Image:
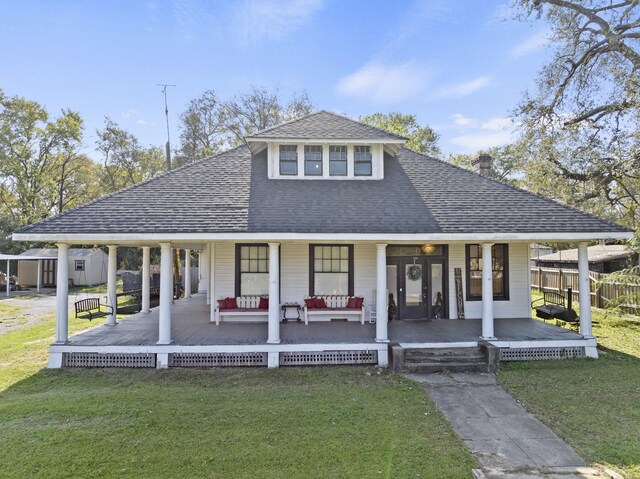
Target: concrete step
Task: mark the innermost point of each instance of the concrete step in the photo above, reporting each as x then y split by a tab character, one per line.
443	354
439	367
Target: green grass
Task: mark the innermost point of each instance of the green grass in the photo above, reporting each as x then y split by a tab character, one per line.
323	422
593	404
12	315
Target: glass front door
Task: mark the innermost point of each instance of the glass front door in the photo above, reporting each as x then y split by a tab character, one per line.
418	287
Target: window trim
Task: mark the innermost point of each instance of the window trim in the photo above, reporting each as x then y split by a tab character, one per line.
356	161
238	278
75	265
505	278
345	161
308	160
280	160
312	267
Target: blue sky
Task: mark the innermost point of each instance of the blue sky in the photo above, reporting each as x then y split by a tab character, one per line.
459	66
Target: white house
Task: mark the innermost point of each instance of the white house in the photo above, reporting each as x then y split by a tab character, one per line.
324	206
85	266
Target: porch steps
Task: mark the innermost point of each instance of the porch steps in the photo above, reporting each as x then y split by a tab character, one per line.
482	358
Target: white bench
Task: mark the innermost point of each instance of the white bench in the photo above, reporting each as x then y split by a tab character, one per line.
336	309
247	306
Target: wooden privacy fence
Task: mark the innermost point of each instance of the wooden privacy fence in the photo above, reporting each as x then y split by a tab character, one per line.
554	279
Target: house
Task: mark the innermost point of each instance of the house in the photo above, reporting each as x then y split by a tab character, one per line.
86	267
603	258
324	206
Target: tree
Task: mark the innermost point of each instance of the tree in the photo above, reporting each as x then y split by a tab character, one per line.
32	147
506	165
421	138
125	162
581	124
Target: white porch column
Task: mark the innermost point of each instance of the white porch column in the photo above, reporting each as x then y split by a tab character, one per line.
62	295
111	284
487	292
584	289
274	293
39	273
205	271
382	335
146	279
7	278
166	294
203	260
187	273
211	280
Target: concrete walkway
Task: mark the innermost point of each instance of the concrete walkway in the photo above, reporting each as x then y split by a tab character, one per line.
506	440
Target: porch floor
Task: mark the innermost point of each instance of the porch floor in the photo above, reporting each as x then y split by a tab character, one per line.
191	327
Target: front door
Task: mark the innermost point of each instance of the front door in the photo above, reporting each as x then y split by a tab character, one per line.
417	285
49	272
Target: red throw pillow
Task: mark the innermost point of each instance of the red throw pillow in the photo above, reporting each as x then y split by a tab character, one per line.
320	303
264	303
310	302
352	303
222	303
232	303
360	302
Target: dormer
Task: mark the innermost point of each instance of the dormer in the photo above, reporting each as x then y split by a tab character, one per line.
325	146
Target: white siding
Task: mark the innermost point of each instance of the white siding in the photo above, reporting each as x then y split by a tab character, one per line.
519	271
95	265
364	281
294	272
224	271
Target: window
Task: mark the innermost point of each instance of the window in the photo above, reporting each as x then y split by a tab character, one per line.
79	265
362	159
338	160
500	269
288	160
252	270
330	269
313	160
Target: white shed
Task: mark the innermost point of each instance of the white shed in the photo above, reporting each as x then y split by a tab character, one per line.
86	267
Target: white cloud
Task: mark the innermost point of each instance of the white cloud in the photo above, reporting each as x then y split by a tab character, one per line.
129	113
530	45
384	83
460	120
141	122
272	19
480	141
497	124
458	90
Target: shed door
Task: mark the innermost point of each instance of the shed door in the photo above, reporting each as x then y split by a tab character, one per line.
49	270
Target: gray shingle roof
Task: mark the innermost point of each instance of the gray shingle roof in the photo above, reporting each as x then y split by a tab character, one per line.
230	192
324	124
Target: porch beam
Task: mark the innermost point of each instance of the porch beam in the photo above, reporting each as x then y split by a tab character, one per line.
382	335
62	295
111	284
146	280
166	294
274	294
584	290
487	292
187	273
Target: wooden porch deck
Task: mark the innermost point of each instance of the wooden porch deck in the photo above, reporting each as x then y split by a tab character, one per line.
191	327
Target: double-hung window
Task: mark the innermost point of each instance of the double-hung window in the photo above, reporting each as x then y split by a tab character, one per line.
362	160
337	160
313	160
79	265
499	270
252	269
288	160
331	270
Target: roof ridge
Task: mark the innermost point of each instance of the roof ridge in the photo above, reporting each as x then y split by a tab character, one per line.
513	187
127	188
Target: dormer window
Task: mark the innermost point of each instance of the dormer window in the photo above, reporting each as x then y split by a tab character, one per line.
337	160
362	159
313	160
288	160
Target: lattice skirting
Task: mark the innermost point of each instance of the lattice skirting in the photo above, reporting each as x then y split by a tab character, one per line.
195	360
311	358
109	360
533	354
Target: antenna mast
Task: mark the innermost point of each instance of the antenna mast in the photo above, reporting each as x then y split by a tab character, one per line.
166	112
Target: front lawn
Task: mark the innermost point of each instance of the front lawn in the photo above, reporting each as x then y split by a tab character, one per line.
351	422
593	404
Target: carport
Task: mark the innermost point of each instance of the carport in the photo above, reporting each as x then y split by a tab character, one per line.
9	257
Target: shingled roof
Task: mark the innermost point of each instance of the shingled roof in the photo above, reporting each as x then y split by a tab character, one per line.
231	193
326	125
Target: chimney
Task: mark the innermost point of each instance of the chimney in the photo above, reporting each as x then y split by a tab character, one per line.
482	165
